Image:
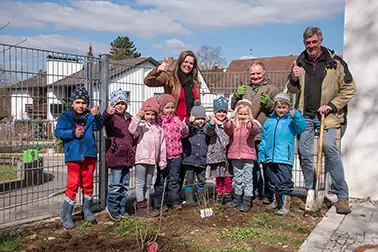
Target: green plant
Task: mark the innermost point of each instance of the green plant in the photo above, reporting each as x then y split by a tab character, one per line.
235	249
86	226
268	220
9	242
244	234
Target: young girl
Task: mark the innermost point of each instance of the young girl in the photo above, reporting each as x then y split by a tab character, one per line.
174	130
195	152
242	152
76	129
217	154
277	151
150	152
120	153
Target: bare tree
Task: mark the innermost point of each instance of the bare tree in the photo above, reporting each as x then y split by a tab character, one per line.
210	57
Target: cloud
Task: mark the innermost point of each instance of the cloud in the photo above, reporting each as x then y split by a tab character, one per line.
149	18
236	13
90	16
57	43
173	45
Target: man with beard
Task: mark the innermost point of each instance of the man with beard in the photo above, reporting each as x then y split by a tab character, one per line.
261	94
323	85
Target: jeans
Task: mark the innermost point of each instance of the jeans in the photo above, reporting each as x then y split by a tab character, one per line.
279	178
117	190
144	174
243	175
174	180
333	162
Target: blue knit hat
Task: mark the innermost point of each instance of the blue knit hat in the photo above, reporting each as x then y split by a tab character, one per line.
119	96
220	103
80	93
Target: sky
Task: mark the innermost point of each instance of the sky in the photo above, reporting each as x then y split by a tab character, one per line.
163	28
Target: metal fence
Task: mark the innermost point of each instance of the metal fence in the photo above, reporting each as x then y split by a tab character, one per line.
35	89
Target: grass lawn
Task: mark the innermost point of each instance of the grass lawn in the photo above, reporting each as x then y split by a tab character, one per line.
9	242
8	172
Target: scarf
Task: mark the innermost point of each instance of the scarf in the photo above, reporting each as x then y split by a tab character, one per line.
186	80
80	119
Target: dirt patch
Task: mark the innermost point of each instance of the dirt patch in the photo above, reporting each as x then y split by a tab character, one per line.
184	231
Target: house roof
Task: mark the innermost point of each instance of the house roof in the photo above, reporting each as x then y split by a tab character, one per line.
278	63
117	67
237	73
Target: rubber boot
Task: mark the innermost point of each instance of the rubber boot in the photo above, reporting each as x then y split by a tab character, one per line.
273	203
237	201
227	199
189	196
219	200
285	208
246	205
66	215
88	215
342	206
201	195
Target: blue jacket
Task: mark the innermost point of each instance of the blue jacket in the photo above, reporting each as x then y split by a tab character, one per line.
76	149
196	143
278	136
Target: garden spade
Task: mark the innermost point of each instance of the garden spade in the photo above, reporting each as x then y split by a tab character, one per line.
320	185
205	212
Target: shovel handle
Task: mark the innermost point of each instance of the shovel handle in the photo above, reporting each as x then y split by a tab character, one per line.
320	148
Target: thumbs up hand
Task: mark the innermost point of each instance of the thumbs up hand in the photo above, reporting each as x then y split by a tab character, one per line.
163	66
183	124
94	110
296	70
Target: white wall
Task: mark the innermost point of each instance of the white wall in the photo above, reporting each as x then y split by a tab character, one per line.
360	143
19	98
133	83
58	69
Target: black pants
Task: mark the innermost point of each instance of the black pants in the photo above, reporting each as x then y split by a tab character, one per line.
172	191
279	178
190	172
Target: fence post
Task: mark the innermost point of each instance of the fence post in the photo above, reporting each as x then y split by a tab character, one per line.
103	95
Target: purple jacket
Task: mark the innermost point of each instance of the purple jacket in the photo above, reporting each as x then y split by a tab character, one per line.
121	146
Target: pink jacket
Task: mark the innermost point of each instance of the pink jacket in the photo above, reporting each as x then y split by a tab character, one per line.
151	146
173	133
242	140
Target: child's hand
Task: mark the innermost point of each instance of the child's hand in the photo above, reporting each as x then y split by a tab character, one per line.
140	114
229	123
249	125
111	110
79	131
292	111
213	121
192	118
183	124
94	110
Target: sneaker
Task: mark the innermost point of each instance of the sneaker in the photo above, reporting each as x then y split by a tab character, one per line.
124	215
115	218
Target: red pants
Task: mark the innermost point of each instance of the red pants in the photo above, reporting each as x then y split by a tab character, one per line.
223	185
80	174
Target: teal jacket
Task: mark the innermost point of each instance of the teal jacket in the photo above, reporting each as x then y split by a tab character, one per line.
278	137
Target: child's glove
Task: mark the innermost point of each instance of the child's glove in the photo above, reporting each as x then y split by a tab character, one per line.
264	99
242	90
110	109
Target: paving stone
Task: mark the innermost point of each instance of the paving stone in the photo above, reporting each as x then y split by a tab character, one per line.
353	225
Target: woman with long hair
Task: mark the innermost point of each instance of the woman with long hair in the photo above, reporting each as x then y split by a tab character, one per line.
181	82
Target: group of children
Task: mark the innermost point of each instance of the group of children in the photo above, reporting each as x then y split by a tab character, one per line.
179	151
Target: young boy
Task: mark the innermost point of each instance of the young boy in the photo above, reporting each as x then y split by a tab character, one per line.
76	129
195	152
277	151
